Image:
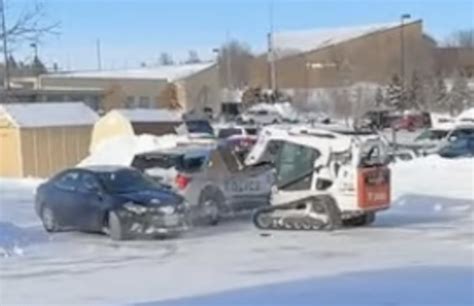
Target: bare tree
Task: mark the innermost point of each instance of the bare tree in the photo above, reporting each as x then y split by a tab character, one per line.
459	96
165	59
379	97
340	99
31	25
235	59
193	57
461	38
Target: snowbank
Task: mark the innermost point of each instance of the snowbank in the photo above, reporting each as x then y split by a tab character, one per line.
122	149
396	286
434	176
16	205
466	116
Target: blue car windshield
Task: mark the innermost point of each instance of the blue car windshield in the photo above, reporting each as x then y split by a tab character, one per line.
124	181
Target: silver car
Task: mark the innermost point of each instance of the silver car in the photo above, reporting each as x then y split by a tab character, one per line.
212	179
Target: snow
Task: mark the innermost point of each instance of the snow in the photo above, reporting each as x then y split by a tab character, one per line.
466	116
150	115
294	42
46	114
420	252
121	150
168	73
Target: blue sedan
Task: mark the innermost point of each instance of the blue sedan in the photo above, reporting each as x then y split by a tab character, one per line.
118	201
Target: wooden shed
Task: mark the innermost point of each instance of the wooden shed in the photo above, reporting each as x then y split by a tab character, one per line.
129	122
40	139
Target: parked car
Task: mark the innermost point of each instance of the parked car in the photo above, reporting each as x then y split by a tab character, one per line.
261	116
460	147
196	129
412	121
230	110
212	180
460	131
378	119
429	141
239	138
114	200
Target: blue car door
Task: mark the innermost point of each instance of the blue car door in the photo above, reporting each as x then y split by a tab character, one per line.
63	198
91	204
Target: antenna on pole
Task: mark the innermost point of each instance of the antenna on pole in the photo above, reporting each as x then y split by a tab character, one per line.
271	53
99	55
228	61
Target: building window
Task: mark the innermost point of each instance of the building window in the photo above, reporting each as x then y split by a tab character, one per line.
144	102
130	103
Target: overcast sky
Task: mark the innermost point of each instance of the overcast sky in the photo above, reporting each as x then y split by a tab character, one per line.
135	31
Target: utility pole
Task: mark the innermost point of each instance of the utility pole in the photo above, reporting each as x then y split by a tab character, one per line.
402	53
271	52
5	51
35	58
99	55
228	62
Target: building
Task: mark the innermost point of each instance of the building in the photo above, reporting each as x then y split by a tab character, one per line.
40	139
25	90
184	87
451	60
341	56
129	122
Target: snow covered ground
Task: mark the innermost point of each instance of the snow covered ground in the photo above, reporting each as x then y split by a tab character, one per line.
421	252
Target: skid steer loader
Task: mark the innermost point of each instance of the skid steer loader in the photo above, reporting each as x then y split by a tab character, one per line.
324	179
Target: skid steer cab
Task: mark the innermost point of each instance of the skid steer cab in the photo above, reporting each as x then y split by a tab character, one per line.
324	180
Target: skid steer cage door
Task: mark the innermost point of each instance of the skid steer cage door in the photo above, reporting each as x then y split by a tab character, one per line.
373	187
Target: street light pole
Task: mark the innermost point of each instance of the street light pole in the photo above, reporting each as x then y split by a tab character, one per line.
402	51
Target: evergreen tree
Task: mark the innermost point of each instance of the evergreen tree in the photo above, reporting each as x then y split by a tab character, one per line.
415	94
440	92
394	95
379	98
12	63
459	96
193	57
165	59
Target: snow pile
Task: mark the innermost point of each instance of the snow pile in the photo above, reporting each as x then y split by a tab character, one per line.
169	73
466	116
121	150
434	176
16	205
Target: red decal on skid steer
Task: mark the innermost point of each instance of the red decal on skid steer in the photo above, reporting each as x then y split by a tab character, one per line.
373	188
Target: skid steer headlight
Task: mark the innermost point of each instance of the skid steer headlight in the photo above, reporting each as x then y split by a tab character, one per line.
135	208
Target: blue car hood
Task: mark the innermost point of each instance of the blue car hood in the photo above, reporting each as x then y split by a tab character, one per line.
151	197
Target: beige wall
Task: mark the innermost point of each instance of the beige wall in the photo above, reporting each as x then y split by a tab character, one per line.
10	157
451	60
116	90
202	90
371	58
42	152
48	150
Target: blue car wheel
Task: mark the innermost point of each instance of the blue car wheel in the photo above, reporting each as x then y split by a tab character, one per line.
116	228
48	219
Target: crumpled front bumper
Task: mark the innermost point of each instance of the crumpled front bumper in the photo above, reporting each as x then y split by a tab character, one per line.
152	223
